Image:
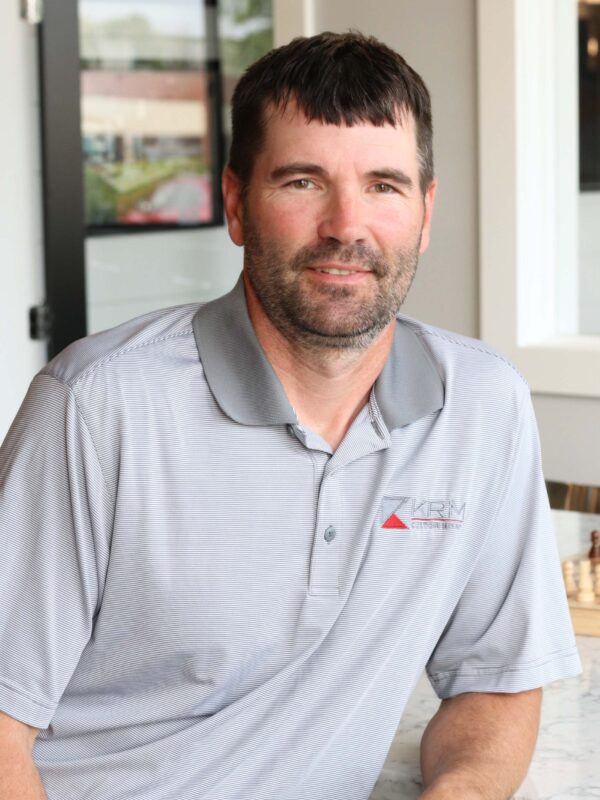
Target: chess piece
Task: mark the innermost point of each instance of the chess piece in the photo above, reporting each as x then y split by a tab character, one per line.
586	587
597	583
594	554
569	578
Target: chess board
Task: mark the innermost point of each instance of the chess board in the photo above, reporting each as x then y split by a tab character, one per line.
585	616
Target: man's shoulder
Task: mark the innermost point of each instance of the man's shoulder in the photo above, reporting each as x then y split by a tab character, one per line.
149	335
464	360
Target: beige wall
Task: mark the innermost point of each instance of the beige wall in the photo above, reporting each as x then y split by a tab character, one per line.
570	436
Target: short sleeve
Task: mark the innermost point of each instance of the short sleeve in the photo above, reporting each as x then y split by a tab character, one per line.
54	533
511	630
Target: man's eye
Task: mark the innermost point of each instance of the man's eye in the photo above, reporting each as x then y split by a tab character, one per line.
383	188
301	183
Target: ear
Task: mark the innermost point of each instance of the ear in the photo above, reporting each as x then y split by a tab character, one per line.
429	201
232	200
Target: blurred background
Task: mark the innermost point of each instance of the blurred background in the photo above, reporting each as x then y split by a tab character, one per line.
115	129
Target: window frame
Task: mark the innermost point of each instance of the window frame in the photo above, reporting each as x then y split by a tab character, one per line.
529	185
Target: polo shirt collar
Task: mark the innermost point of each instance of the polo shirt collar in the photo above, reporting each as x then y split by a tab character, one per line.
247	389
409	386
239	374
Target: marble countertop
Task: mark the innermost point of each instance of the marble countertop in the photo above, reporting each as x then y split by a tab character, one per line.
573	532
566	763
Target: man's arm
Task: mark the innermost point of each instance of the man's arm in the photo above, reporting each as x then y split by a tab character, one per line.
478	746
18	776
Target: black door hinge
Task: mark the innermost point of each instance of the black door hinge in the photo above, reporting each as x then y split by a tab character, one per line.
40	322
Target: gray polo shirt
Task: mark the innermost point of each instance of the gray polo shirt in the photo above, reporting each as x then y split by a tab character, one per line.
200	601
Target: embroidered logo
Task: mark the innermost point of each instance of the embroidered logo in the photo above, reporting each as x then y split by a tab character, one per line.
394	522
416	513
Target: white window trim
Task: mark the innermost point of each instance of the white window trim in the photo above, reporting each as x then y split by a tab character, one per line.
528	193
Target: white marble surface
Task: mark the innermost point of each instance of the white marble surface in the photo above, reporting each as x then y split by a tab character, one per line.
566	763
573	532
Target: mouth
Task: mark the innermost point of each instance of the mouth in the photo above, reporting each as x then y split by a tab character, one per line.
339	270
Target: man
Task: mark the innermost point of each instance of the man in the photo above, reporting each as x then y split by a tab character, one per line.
235	535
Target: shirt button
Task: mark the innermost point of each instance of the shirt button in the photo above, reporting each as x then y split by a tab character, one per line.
330	533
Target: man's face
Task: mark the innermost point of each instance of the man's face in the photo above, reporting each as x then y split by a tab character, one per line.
332	223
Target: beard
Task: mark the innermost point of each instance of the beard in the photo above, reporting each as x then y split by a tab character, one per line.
320	316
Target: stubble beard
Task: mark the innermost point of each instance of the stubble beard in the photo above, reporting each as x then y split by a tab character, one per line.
325	316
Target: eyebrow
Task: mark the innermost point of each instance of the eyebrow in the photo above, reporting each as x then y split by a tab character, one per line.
394	175
294	168
385	174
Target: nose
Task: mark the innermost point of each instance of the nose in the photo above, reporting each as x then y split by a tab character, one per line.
343	219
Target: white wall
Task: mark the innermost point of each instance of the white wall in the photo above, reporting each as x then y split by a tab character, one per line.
21	284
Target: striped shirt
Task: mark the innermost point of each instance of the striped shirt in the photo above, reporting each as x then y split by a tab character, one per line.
199	600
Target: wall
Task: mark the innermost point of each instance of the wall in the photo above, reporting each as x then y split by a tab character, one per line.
570	436
21	284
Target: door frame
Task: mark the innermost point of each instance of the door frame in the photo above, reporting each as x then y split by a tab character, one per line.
64	226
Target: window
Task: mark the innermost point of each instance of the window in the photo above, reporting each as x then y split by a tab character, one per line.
531	283
150	127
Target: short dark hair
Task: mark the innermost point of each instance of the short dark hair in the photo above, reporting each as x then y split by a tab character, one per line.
335	78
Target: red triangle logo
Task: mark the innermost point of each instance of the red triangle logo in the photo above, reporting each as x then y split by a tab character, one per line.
394	522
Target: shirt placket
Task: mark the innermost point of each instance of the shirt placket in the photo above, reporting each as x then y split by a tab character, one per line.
366	436
324	577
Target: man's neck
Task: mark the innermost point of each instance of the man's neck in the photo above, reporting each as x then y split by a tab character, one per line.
327	387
